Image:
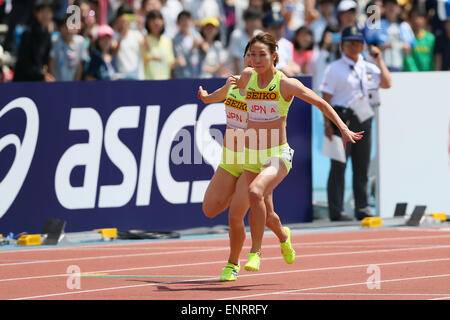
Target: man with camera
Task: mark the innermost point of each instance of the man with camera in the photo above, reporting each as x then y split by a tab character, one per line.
351	85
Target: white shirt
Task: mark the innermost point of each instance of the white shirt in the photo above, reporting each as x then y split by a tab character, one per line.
170	12
67	57
215	56
285	53
347	81
129	60
201	9
238	42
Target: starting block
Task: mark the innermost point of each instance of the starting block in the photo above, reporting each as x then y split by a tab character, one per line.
372	222
416	216
30	240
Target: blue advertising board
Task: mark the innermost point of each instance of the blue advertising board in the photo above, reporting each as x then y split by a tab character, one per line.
128	154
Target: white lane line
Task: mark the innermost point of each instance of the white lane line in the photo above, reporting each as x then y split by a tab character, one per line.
442	298
159	242
216	249
368	294
221	261
336	286
255	275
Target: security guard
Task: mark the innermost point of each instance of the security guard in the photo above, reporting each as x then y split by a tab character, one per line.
350	85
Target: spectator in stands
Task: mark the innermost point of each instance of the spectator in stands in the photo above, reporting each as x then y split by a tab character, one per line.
159	59
89	23
327	17
442	48
67	54
239	8
373	33
213	53
274	23
20	15
170	10
186	48
325	52
142	12
35	45
3	72
422	55
128	52
201	9
397	35
229	18
287	10
240	37
347	14
101	64
257	4
303	49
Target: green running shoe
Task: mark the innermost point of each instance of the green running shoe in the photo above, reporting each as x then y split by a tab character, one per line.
254	260
286	248
230	272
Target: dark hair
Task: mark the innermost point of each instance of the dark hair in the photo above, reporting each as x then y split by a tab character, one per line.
124	9
59	22
329	28
40	4
152	15
252	13
246	48
308	31
202	33
394	2
182	14
416	10
267	39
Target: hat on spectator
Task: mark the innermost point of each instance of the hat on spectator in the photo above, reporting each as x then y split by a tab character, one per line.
346	5
271	18
210	20
443	9
352	33
104	30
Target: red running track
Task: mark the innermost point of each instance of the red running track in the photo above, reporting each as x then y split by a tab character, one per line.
373	264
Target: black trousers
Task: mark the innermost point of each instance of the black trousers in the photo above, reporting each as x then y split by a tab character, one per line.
360	157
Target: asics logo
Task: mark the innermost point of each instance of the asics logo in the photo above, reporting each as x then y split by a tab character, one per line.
13	181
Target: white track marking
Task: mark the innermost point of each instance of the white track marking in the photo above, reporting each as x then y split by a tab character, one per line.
217	248
158	242
337	286
442	298
368	294
259	275
219	261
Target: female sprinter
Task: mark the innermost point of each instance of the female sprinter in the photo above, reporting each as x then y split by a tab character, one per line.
228	186
269	94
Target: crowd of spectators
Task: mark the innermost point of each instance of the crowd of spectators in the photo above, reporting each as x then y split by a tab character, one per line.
70	40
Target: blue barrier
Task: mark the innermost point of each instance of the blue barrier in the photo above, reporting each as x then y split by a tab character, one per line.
99	154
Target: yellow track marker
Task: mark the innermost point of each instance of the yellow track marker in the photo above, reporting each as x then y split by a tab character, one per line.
372	222
30	240
441	216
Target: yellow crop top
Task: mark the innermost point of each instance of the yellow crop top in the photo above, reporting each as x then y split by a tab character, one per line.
265	104
236	109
